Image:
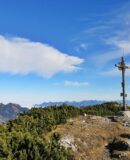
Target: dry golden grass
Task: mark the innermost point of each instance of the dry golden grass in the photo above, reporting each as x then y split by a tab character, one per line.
91	135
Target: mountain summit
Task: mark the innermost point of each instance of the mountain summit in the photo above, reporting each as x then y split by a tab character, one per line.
10	111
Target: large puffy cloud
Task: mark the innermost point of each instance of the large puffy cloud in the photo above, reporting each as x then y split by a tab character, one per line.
22	56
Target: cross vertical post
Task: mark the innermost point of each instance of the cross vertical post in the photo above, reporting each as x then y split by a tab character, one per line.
122	67
123	82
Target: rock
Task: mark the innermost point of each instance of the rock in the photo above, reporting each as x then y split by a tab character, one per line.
120	155
123	155
119	145
127	124
125	114
83	121
125	136
68	142
85	115
126	145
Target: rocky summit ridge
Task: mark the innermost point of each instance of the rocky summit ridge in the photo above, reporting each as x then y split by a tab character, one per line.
97	138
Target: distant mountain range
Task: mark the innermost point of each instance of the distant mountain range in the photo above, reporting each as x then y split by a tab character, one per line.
10	111
77	103
73	103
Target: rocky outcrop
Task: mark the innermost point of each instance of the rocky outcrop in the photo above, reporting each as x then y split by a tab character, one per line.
119	147
96	138
68	142
123	117
125	114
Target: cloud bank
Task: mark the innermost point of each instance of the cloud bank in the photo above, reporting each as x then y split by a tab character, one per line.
117	36
107	36
22	56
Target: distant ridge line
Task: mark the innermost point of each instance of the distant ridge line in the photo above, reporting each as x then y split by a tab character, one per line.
73	103
77	103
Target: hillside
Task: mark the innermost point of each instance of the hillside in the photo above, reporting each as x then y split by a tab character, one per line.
66	133
92	137
10	111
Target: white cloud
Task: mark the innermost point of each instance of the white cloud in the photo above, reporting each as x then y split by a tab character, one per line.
75	83
115	72
81	47
22	56
108	34
121	47
116	37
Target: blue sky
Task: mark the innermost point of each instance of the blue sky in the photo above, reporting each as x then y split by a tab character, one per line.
62	50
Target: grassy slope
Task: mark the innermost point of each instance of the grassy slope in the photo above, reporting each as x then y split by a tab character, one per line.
91	134
28	136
